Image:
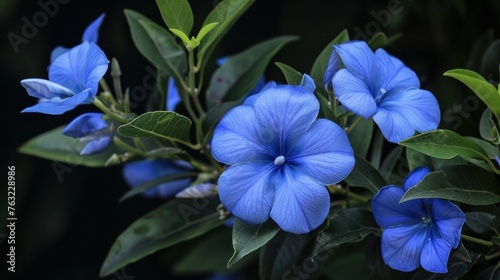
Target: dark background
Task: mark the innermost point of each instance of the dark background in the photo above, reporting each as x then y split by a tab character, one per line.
66	227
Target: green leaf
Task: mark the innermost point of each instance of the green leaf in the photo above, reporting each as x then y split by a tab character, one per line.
319	67
490	149
161	125
156	44
481	222
390	162
457	268
248	238
487	127
154	183
491	60
176	14
346	226
241	72
365	175
181	35
204	30
53	145
292	76
225	13
444	144
377	148
165	152
175	221
378	40
464	183
360	136
213	117
280	254
484	90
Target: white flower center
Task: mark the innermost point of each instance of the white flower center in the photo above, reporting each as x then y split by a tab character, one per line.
279	160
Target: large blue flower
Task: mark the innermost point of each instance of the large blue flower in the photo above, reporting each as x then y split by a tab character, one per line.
73	80
281	157
380	86
416	232
142	172
95	132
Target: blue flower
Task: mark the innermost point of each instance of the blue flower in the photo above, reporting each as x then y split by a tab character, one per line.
73	80
281	157
380	86
416	232
173	95
91	34
141	172
92	130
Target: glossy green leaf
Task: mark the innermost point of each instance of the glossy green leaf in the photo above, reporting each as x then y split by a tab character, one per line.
365	175
241	72
319	67
213	116
292	76
161	125
346	226
248	238
280	254
53	145
481	222
177	14
360	135
175	221
482	88
156	44
225	13
154	183
444	144
490	149
464	183
487	127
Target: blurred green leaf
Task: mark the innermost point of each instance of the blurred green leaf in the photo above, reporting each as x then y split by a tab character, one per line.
346	226
241	72
464	183
444	144
161	125
292	76
390	162
53	145
378	40
347	262
478	49
482	88
280	254
481	222
156	44
487	127
319	67
176	14
377	148
360	136
225	13
490	149
248	238
491	61
175	221
365	175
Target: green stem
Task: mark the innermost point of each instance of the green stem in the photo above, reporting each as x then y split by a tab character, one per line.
477	240
193	90
349	194
116	74
104	85
118	142
108	112
491	164
354	123
492	256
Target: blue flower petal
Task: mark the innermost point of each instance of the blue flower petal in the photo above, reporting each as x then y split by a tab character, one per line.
323	153
435	254
401	113
360	60
308	83
415	176
247	190
395	74
250	100
288	111
91	33
173	95
80	68
56	52
354	94
40	88
85	124
57	107
300	204
97	146
240	138
402	246
448	221
331	69
389	213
